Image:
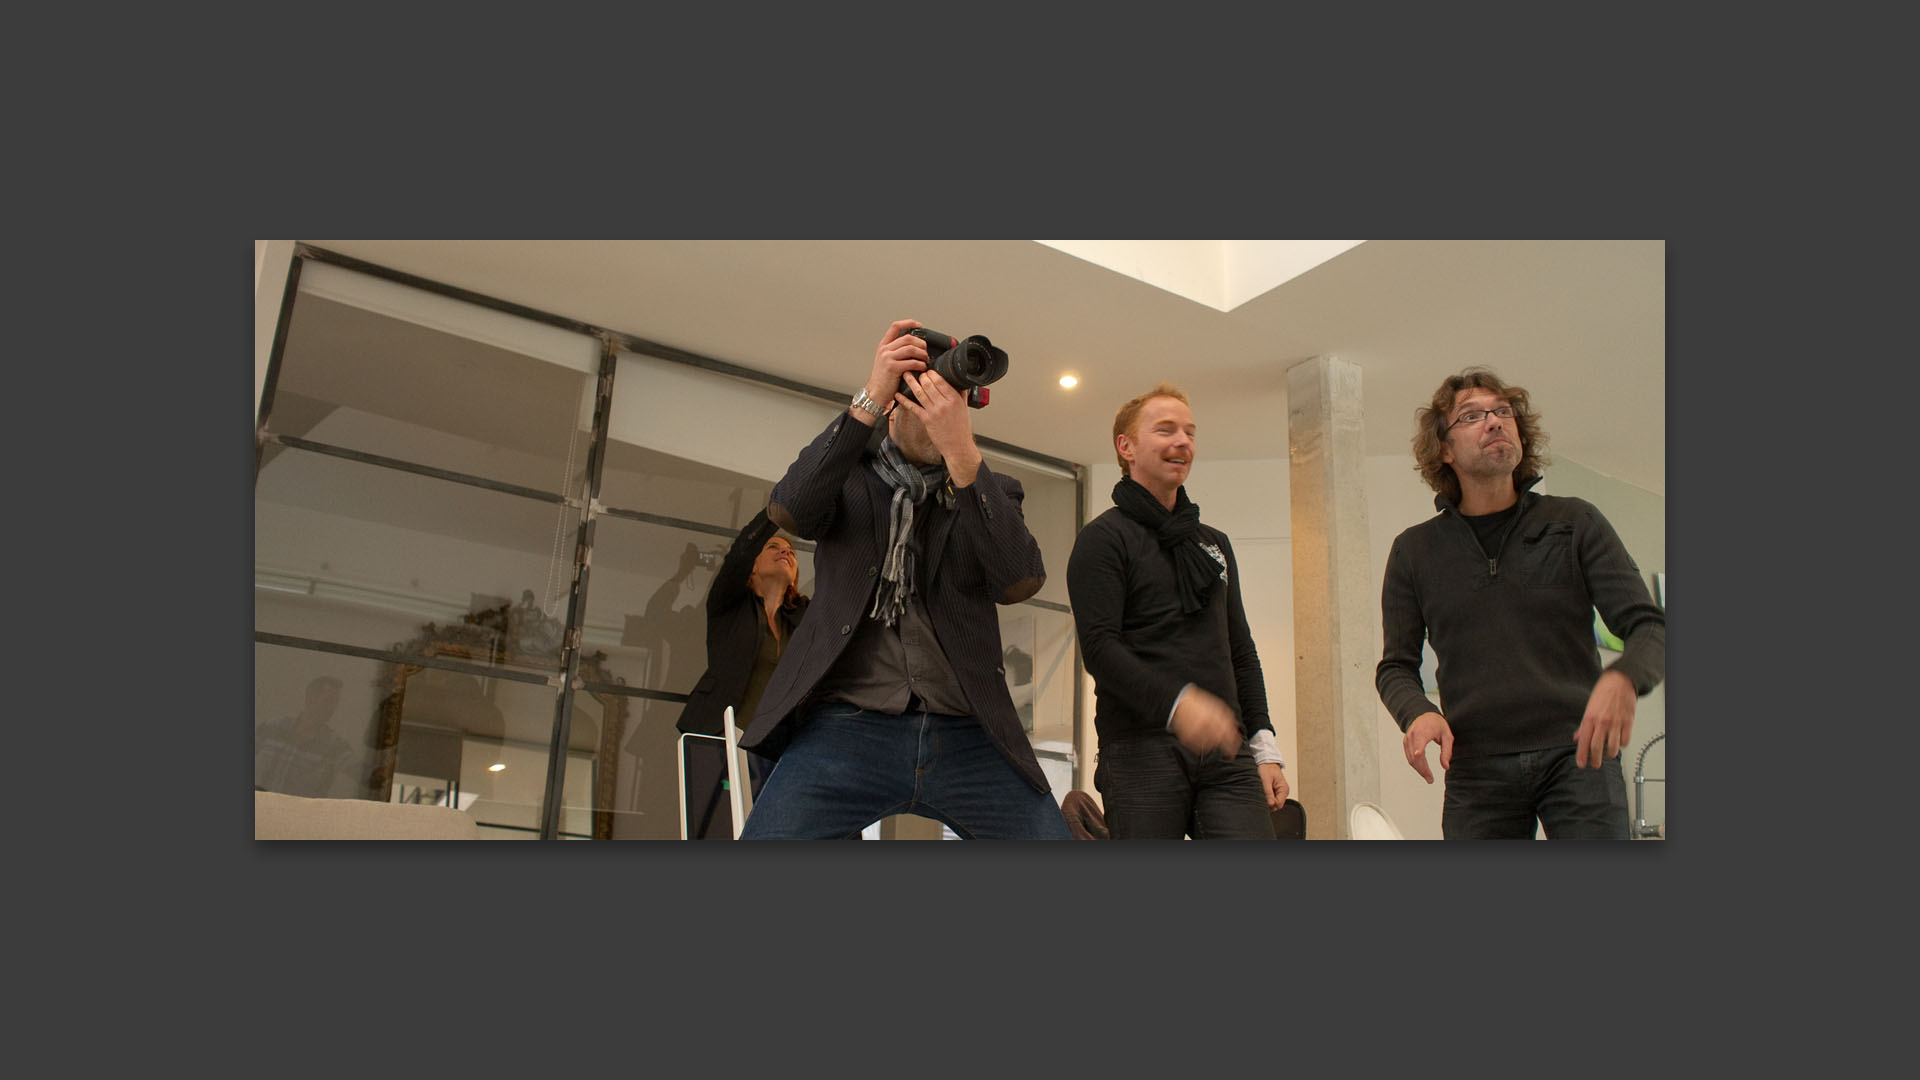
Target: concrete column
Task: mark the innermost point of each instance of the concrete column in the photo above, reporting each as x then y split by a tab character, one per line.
1334	596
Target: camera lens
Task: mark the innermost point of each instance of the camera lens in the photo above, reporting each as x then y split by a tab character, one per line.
973	362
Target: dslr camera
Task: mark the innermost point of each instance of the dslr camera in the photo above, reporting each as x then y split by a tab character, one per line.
968	365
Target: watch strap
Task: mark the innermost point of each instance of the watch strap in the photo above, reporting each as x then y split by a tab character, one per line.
867	405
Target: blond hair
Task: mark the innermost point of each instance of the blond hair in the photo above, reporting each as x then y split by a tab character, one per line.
1129	415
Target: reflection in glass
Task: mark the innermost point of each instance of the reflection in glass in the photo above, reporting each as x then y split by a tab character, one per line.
651	482
1037	649
651	582
465	399
644	775
360	555
695	445
1052	513
440	731
366	555
299	753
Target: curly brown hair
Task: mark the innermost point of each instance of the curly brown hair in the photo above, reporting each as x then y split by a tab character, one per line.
1123	420
1430	431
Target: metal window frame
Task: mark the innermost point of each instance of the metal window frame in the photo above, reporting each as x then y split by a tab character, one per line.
612	342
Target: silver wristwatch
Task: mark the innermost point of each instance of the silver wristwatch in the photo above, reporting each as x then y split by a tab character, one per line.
867	405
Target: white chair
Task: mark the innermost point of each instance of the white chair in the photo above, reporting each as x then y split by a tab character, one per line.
731	741
1367	821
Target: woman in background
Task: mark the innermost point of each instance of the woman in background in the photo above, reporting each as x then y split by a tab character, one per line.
753	606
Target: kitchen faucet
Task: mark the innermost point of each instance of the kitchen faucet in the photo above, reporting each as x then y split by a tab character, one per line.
1642	830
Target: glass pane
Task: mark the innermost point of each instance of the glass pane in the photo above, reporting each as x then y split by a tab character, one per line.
692	444
1037	642
384	559
650	482
646	600
1051	509
430	394
632	790
1038	647
481	743
316	723
344	727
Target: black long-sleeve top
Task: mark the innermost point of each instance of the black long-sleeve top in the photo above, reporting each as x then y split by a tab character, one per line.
1513	629
736	629
1140	648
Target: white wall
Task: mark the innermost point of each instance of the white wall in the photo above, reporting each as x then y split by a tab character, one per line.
1397	498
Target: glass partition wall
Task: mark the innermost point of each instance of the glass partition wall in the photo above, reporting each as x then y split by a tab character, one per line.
483	537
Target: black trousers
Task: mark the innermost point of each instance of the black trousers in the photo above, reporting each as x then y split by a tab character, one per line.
1501	796
1155	789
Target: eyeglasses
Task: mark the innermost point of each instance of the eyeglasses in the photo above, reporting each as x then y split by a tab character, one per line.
1474	416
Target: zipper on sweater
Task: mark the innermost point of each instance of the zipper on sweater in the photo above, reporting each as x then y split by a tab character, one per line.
1513	530
1493	561
1493	564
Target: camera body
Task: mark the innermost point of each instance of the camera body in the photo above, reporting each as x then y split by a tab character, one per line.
967	364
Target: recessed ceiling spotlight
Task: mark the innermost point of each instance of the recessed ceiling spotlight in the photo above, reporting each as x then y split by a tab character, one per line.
498	766
1069	381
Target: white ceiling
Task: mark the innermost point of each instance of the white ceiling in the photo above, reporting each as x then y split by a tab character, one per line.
1581	324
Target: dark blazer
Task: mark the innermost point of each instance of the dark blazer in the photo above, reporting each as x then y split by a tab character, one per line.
977	554
734	617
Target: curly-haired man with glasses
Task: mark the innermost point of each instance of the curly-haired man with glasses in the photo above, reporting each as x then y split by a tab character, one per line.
1504	582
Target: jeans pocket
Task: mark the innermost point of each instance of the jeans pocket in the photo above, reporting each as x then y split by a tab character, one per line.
833	710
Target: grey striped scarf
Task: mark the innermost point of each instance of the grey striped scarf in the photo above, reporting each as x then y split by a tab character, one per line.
911	484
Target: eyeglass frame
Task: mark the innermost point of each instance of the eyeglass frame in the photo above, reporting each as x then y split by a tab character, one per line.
1504	412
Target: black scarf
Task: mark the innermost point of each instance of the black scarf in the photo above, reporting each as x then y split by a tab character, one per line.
1194	568
911	485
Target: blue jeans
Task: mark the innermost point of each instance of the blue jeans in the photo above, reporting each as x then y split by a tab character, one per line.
848	767
1152	788
1499	798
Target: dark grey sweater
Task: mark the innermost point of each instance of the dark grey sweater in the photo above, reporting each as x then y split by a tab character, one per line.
1513	629
1138	645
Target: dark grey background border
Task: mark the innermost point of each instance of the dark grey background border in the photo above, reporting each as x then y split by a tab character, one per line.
907	946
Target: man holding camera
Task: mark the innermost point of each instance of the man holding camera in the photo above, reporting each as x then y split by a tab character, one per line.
1180	702
892	698
1503	582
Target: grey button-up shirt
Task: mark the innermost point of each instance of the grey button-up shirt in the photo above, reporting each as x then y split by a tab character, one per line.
891	668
